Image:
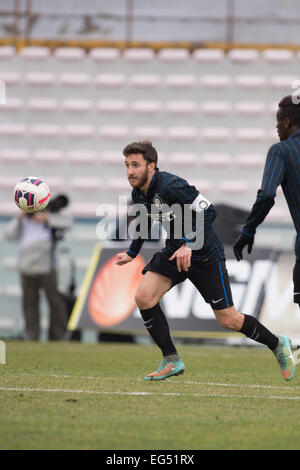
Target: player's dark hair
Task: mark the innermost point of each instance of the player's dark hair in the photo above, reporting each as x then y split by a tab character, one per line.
145	148
290	108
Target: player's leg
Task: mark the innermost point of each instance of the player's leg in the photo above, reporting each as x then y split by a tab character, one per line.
296	280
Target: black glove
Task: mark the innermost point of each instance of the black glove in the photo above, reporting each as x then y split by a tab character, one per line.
240	244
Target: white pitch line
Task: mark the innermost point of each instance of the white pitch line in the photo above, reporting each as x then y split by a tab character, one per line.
97	392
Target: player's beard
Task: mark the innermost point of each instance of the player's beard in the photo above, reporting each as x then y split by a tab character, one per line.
138	182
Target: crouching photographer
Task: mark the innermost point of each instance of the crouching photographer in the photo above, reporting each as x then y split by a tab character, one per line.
37	235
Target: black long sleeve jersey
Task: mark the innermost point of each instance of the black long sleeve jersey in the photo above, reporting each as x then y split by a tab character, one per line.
166	190
282	167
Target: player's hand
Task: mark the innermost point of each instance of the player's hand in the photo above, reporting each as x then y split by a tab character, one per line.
183	258
240	244
123	258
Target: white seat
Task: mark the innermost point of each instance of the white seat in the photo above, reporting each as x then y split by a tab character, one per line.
86	184
43	104
250	134
208	55
282	82
9	78
215	81
140	55
253	81
148	132
12	104
146	107
278	56
40	78
277	214
76	105
110	80
181	107
111	157
182	133
49	156
80	131
114	132
82	156
75	79
83	210
203	185
173	55
112	106
12	129
250	160
216	108
105	54
55	183
180	80
45	130
35	53
216	134
9	182
250	108
216	160
186	159
145	81
7	52
234	187
243	56
15	155
69	53
118	184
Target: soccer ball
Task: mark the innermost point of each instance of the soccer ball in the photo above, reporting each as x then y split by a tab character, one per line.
31	194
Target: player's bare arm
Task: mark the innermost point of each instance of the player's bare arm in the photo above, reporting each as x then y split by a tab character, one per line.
123	258
183	258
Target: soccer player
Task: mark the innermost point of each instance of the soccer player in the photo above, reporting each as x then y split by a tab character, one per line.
204	267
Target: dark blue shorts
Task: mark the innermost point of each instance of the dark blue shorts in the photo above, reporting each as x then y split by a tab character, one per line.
211	280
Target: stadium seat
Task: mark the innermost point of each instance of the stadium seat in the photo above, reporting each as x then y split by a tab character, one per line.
183	159
45	130
138	55
181	107
277	215
8	182
114	132
86	184
216	108
250	160
173	55
14	155
180	80
84	210
75	79
79	131
76	105
216	134
55	183
10	78
7	52
12	104
105	54
250	134
118	184
253	81
204	186
148	132
69	53
12	129
250	108
82	156
40	78
146	107
110	80
282	82
35	53
234	187
243	56
215	81
182	133
216	160
278	56
112	157
145	81
208	55
112	106
49	156
43	104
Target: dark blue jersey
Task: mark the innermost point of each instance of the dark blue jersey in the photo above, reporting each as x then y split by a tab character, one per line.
282	168
165	190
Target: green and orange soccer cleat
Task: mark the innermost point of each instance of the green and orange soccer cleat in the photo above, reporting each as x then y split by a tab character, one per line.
285	358
166	369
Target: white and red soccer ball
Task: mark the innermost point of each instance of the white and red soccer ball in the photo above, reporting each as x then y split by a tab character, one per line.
31	194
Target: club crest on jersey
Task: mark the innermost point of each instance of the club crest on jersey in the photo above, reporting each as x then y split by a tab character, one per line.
157	201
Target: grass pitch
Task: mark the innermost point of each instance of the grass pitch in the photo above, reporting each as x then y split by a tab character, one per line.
93	396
